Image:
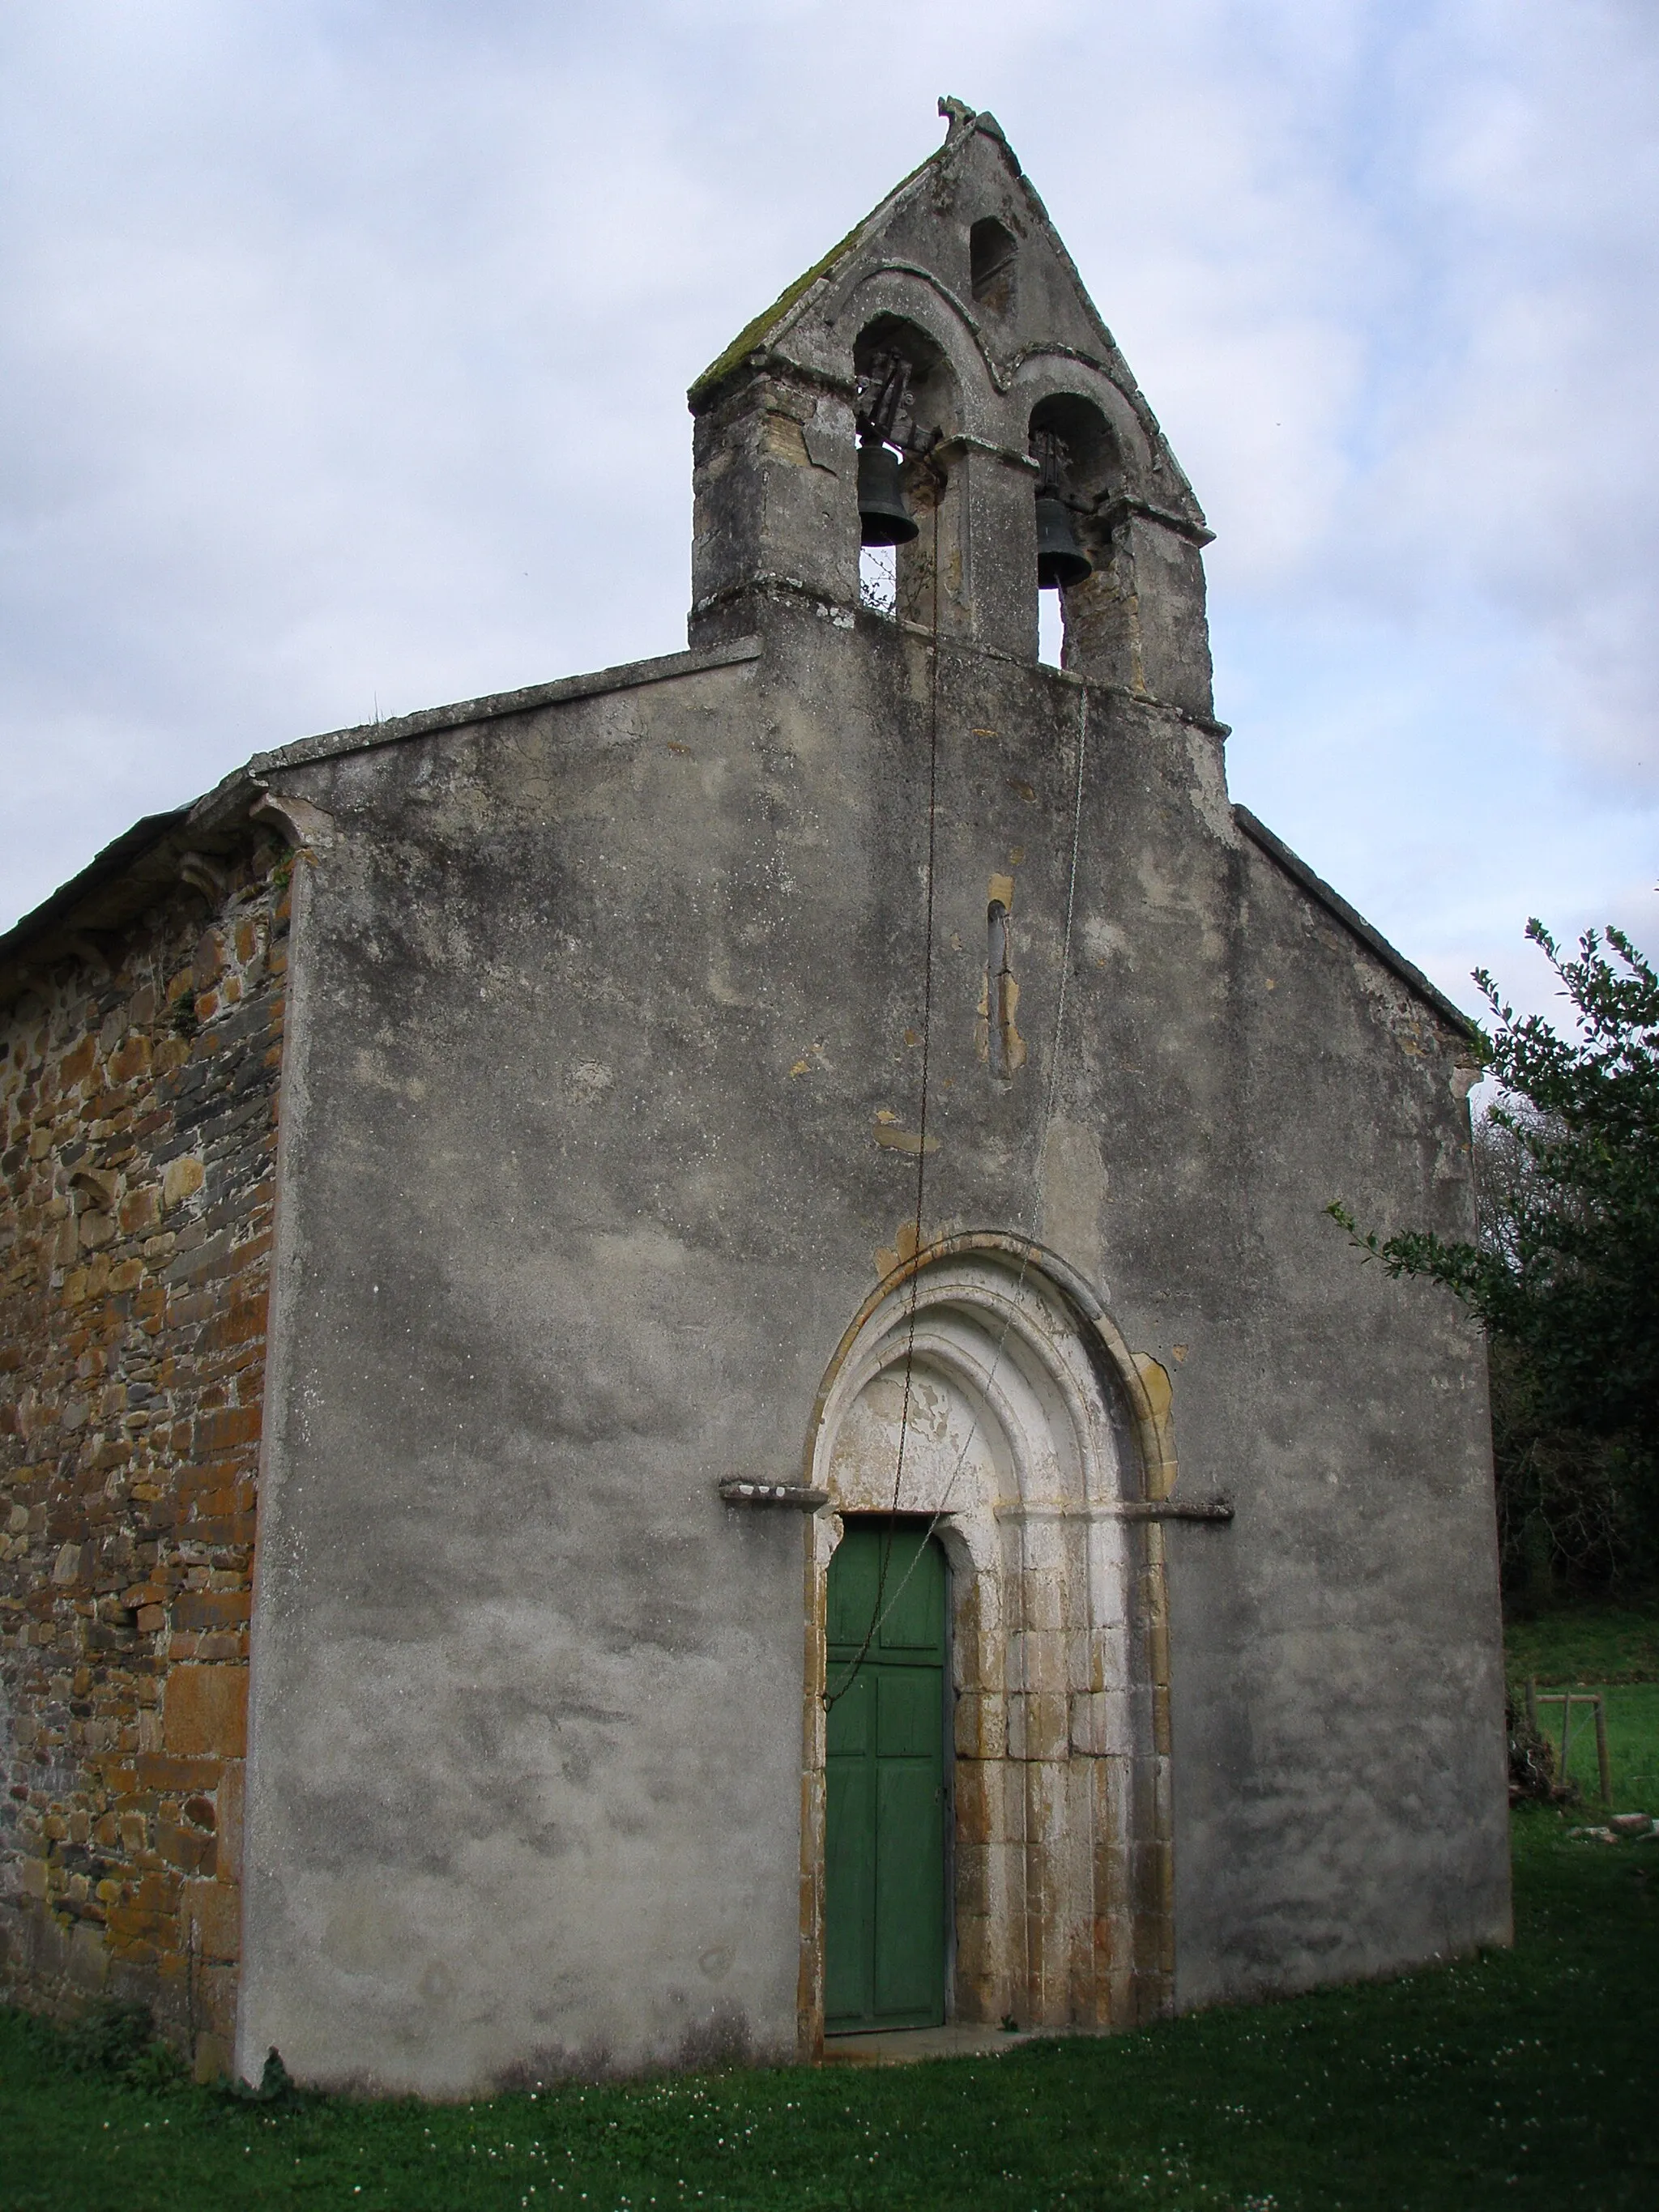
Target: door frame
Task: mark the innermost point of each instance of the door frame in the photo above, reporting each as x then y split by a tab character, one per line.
1057	1323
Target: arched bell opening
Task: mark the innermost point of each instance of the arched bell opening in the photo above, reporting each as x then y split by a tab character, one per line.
906	409
1019	1452
1077	471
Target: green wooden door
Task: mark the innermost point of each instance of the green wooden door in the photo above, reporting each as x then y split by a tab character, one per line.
885	1880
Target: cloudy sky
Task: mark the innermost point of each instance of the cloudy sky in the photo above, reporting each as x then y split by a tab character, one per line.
345	346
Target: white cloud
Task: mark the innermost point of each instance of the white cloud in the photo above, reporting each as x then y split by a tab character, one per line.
346	348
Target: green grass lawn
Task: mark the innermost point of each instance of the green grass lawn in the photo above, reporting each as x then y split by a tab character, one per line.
1521	2078
1586	1642
1632	1717
1615	1649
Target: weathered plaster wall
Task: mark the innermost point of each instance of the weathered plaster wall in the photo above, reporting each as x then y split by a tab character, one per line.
600	1123
603	1127
1241	1060
138	1127
1341	1801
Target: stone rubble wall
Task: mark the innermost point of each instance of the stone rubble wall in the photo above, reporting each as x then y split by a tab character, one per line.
138	1145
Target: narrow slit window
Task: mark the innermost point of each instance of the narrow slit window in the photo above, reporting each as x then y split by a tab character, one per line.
998	978
991	250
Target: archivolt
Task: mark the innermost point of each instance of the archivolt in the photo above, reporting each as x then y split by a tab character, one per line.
1010	1260
1026	1425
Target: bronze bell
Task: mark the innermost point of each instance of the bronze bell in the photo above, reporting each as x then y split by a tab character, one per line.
884	518
1060	559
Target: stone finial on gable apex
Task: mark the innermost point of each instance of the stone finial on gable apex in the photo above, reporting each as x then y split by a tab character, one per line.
962	119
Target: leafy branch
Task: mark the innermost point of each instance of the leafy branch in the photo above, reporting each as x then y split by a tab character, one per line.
1565	1273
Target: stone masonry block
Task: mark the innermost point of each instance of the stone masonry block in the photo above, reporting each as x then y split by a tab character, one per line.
141	1210
982	1726
224	1431
229	1811
973	1889
1042	1601
1036	1660
213	1914
979	1800
1038	1726
183	1177
979	1978
1100	1724
206	1712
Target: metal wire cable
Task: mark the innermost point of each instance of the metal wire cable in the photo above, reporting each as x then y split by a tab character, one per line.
878	1612
881	1614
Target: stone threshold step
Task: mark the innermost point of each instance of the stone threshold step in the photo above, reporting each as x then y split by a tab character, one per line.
904	2046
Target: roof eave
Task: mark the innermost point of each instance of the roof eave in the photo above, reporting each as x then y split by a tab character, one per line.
1465	1028
122	881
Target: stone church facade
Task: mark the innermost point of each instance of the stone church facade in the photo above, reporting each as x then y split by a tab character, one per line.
498	1201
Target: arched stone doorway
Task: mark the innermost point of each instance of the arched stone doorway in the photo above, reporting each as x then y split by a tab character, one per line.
1030	1441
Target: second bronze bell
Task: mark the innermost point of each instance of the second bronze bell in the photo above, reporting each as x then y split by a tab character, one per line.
884	518
1060	559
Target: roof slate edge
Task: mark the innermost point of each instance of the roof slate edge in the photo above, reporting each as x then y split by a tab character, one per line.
1455	1019
756	333
113	860
625	677
222	810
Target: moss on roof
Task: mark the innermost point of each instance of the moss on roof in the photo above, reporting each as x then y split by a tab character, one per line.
751	334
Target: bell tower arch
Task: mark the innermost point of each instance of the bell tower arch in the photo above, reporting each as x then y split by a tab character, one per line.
956	301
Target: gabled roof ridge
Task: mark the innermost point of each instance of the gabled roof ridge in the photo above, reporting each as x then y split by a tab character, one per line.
1124	377
765	330
771	320
1464	1027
